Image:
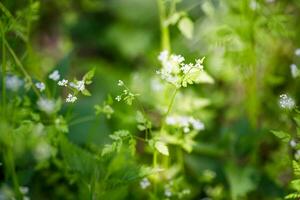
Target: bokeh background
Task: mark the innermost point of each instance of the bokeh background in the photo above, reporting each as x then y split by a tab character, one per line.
249	46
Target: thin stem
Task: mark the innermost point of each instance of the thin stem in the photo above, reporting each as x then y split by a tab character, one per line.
169	109
3	69
165	36
20	65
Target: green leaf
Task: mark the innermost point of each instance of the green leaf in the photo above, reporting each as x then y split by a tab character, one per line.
186	27
85	92
285	137
162	148
89	75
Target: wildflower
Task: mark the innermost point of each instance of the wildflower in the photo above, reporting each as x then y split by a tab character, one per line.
168	192
185	122
297	155
297	52
63	82
120	83
163	56
175	71
55	75
286	102
24	190
71	98
118	98
41	86
46	105
42	151
145	183
13	83
293	143
80	85
294	70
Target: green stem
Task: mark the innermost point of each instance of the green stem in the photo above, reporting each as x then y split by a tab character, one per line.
165	35
20	65
3	69
169	109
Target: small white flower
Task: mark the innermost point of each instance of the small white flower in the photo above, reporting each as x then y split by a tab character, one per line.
42	151
63	82
163	56
297	52
168	192
293	143
145	183
71	98
13	83
294	70
297	155
118	98
120	83
24	190
286	102
41	86
80	85
55	75
46	105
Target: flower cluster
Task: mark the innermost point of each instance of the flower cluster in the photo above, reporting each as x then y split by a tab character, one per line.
13	83
75	86
144	183
46	105
286	102
178	73
126	95
185	122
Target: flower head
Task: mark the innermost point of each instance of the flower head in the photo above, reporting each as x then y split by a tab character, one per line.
13	83
294	70
55	75
71	98
286	102
46	105
41	86
297	52
145	183
63	82
120	83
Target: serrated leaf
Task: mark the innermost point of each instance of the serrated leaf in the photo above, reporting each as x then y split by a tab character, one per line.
285	137
186	27
162	148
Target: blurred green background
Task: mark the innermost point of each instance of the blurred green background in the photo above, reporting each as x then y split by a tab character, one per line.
249	46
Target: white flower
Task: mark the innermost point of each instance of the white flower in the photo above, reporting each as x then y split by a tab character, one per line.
118	98
294	70
145	183
293	143
297	155
120	83
163	56
42	151
41	86
46	105
286	102
185	122
63	82
71	98
168	192
24	190
80	85
13	83
297	52
55	75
